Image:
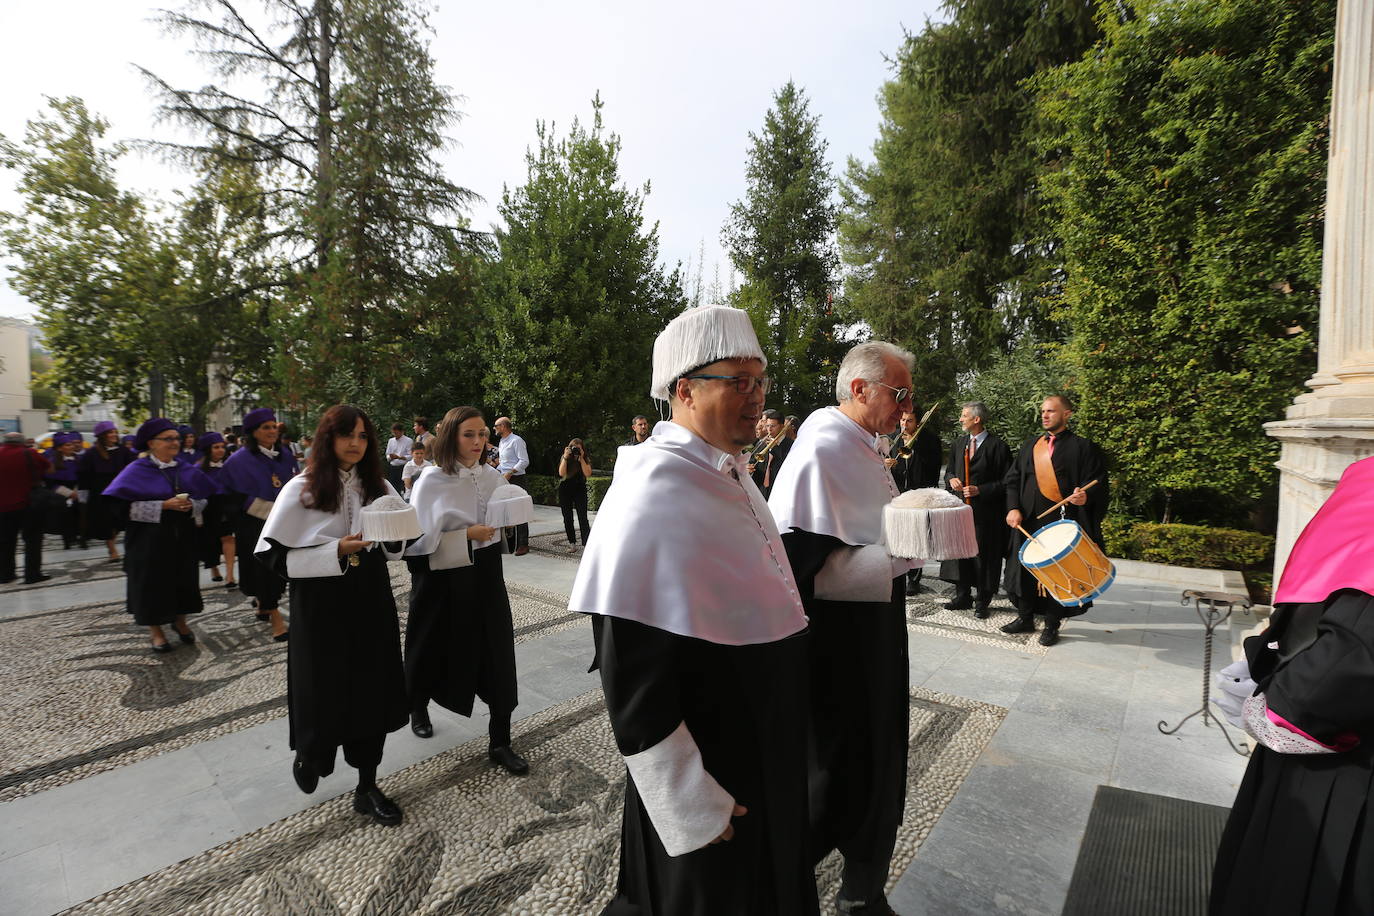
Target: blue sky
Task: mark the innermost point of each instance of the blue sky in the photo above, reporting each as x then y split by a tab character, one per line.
682	84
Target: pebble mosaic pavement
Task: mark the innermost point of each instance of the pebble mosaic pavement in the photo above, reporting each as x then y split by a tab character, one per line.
925	613
88	668
477	841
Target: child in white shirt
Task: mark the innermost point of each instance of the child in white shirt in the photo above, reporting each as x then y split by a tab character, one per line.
414	466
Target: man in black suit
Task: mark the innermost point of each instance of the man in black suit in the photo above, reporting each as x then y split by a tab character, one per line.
765	471
978	462
913	457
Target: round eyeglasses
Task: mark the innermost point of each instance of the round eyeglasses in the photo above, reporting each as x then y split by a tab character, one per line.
899	395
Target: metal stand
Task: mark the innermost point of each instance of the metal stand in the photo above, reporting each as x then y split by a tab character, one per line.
1212	617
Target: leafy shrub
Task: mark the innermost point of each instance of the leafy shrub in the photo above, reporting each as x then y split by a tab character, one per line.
543	489
1200	546
596	491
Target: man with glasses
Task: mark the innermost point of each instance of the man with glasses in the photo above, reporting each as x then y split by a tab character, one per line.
701	643
828	502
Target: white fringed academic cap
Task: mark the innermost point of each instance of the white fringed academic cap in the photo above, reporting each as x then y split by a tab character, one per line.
700	336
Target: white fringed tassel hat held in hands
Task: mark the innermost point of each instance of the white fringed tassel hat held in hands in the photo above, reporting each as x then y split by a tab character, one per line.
929	524
390	518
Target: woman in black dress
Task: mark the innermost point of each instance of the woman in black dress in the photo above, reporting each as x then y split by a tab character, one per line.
155	498
345	685
573	470
1300	838
96	469
460	639
217	530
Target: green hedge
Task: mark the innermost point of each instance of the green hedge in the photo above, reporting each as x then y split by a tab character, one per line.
1197	546
544	489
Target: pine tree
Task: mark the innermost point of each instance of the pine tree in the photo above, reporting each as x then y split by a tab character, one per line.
577	296
781	239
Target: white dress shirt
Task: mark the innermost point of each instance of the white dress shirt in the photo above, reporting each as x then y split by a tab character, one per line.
514	456
399	445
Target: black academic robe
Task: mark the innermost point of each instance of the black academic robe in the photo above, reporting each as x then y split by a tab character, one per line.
917	467
859	710
1300	837
1076	462
218	521
162	575
460	638
344	680
93	474
987	471
767	469
743	706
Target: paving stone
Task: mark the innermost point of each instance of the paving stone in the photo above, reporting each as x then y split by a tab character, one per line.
34	881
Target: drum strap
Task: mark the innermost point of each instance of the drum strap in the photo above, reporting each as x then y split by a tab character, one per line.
1044	472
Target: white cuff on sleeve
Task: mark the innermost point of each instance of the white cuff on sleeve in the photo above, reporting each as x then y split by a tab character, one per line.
146	510
686	805
856	574
314	562
83	496
454	551
65	492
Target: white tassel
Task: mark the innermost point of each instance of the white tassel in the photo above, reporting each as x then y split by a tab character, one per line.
390	518
699	336
929	524
509	505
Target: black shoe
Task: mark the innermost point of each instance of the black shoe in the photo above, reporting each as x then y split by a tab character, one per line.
521	551
7	580
420	724
982	611
231	585
1049	636
1020	625
162	648
960	603
505	757
305	775
41	577
188	637
282	637
376	806
216	578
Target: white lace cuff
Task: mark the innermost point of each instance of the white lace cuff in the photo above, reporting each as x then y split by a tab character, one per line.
454	551
686	805
314	562
146	510
1275	736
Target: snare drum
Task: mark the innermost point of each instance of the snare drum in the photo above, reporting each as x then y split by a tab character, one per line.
1072	568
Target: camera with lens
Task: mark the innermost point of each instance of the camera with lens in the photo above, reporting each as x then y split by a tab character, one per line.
575	452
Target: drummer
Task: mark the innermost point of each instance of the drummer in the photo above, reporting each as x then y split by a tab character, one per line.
1050	467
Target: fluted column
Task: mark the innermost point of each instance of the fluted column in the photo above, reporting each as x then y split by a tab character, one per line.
1332	425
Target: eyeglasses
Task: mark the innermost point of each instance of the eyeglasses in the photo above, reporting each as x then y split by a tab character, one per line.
898	394
744	384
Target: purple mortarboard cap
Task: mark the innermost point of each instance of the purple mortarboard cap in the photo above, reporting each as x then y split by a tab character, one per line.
61	439
255	418
185	430
74	436
150	429
104	426
204	442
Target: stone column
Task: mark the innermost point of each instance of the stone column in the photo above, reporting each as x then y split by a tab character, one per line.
220	412
1332	425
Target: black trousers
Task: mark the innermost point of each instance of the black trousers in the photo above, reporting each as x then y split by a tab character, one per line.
29	524
393	474
522	532
572	494
979	573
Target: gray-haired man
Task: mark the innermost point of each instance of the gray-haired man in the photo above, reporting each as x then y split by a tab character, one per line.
978	460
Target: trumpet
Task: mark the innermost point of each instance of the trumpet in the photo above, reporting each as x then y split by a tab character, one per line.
768	446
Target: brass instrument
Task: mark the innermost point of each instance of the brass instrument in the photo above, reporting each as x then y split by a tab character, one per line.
767	446
905	447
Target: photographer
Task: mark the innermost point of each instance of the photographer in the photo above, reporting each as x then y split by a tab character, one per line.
573	470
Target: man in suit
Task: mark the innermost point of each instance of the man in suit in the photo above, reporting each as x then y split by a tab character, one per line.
765	471
913	457
978	462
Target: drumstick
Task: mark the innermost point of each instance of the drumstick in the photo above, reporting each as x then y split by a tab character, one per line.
1087	486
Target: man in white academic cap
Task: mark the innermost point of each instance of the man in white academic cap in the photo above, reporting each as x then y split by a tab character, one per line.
828	503
701	643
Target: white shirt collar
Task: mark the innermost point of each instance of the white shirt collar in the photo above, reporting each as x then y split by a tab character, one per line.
978	439
692	444
269	452
163	465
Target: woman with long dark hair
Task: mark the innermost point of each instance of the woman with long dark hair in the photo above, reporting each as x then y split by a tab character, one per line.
573	470
217	524
96	469
156	498
460	640
345	684
256	474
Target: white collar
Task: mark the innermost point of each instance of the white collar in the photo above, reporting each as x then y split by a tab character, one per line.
217	464
163	465
269	452
679	435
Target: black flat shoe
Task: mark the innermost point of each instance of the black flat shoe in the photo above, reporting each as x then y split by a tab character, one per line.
42	577
376	806
304	774
116	559
216	578
282	637
420	724
959	604
231	584
162	648
263	618
1049	637
983	612
503	756
1020	625
188	637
